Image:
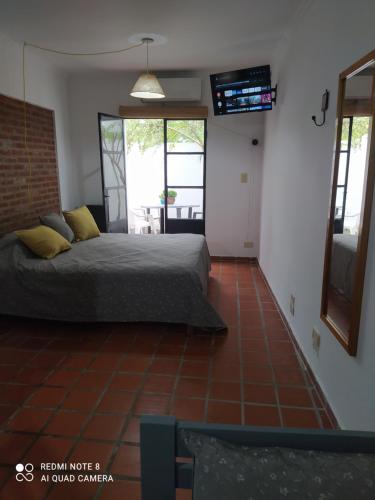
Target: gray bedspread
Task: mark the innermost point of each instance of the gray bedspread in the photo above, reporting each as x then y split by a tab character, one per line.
344	251
115	277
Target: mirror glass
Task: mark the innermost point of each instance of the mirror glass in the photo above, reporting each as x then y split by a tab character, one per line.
347	201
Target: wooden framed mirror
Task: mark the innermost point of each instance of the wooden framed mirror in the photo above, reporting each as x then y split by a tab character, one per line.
352	189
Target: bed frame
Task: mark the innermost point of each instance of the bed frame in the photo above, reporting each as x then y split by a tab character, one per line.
161	445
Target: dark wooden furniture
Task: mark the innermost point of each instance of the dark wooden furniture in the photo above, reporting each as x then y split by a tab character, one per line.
161	445
98	212
100	216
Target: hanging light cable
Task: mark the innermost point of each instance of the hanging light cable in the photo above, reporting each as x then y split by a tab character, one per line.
63	53
147	86
99	53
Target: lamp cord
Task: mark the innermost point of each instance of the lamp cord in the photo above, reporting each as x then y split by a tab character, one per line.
147	55
27	151
100	53
64	53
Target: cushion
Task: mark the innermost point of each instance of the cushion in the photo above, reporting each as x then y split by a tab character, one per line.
82	223
57	223
43	241
224	471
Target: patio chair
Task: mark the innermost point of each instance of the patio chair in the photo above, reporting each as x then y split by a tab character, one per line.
144	223
140	223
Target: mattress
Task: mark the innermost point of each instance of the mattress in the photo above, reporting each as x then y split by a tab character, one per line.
343	259
115	277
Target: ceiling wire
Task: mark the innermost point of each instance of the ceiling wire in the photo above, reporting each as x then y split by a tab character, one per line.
64	53
27	151
147	41
99	53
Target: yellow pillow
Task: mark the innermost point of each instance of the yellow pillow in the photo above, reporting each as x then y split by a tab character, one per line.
82	223
44	241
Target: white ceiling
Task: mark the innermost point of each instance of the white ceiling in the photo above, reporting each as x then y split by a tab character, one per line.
200	33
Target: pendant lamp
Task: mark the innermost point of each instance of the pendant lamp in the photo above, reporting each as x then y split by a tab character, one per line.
147	86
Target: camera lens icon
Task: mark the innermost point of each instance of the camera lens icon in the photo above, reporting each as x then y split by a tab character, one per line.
24	472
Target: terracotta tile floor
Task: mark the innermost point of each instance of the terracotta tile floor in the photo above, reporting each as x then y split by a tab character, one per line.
75	392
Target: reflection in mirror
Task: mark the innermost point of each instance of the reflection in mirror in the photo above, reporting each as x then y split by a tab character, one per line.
347	233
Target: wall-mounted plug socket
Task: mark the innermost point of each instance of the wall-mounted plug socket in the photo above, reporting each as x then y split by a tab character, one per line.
248	244
315	336
292	302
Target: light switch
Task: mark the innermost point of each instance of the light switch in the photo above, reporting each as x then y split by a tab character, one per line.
243	178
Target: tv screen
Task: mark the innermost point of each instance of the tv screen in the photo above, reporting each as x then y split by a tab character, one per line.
242	91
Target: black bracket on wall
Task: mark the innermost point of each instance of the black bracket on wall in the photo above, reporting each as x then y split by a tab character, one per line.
323	107
274	97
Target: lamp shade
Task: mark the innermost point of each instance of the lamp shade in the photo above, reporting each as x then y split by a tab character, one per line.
147	87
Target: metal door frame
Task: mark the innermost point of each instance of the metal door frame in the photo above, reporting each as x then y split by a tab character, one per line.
104	196
188	222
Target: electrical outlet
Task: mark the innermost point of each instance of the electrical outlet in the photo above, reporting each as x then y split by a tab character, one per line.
244	177
315	340
292	302
248	244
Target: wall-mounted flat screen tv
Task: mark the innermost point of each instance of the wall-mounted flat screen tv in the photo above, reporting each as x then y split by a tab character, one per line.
242	91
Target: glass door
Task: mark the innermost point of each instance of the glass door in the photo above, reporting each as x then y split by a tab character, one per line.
111	130
185	175
144	150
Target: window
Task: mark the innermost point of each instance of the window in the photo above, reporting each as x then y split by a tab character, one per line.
351	172
165	172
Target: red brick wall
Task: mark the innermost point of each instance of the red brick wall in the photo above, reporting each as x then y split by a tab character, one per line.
26	192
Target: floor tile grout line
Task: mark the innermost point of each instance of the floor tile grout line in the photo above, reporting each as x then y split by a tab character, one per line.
35	435
318	392
41	384
77	438
239	347
90	415
302	368
297	348
211	356
22	367
309	388
129	416
177	375
323	407
300	360
138	415
7	477
90	370
196	377
68	390
124	414
151	392
24	345
208	392
268	350
73	386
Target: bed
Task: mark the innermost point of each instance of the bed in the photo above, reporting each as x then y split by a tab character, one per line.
162	443
344	250
115	277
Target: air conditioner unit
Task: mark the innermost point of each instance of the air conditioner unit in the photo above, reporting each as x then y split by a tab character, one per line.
181	89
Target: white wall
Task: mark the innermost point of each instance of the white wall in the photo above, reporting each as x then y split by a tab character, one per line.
295	198
46	86
232	208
